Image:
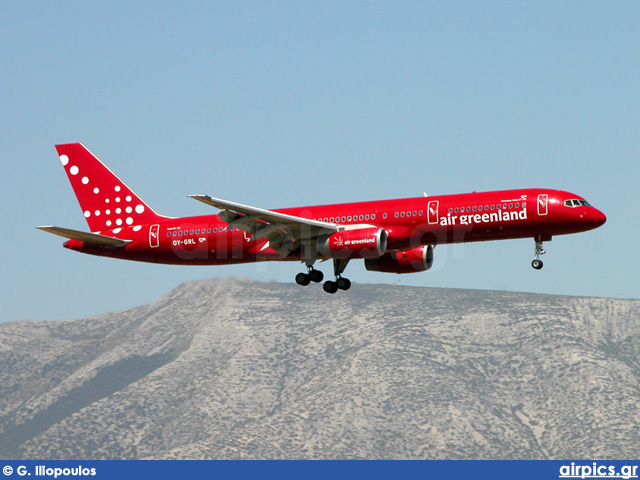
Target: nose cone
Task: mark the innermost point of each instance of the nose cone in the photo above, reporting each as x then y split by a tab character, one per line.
594	218
599	217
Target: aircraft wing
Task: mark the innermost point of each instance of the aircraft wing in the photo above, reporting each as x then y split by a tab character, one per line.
283	232
89	238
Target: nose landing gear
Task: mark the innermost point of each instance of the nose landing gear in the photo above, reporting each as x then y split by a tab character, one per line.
537	263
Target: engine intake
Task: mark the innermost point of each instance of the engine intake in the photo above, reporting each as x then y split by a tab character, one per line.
357	243
417	259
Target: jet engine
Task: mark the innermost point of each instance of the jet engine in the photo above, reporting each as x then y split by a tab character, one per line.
357	243
417	259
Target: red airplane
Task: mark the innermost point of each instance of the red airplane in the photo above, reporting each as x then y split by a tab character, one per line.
393	236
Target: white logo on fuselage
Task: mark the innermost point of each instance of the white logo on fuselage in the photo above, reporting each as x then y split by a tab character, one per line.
497	216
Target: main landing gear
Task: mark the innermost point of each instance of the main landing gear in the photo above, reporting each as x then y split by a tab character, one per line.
312	275
341	283
537	263
316	276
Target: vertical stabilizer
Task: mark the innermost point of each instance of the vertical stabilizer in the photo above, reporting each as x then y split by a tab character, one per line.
106	201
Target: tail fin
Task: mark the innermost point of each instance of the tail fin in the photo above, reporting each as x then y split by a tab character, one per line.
107	203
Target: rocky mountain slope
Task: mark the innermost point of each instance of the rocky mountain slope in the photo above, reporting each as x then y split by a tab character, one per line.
230	369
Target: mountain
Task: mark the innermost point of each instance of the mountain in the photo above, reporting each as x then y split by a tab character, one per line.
230	369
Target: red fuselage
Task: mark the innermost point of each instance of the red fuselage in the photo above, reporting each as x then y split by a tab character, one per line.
391	236
409	223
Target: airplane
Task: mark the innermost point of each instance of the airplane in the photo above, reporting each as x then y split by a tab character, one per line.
391	236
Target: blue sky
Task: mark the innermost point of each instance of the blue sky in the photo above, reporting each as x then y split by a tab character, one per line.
279	104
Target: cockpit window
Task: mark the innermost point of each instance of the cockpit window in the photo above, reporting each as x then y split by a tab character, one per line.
576	203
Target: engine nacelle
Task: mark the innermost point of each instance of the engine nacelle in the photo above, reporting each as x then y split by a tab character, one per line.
357	243
417	259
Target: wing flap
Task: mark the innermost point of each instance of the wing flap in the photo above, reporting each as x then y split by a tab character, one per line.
284	232
86	237
260	213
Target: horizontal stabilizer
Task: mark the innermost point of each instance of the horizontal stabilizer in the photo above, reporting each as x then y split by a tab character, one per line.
86	237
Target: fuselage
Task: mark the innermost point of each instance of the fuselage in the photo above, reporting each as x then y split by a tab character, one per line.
409	223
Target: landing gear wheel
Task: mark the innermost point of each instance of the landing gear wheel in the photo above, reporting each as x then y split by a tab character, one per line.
316	276
330	287
344	283
303	279
537	263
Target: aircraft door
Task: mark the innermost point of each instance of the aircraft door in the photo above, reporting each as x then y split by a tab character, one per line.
154	236
432	211
543	204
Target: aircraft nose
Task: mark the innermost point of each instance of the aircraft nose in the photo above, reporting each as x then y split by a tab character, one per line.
595	218
600	217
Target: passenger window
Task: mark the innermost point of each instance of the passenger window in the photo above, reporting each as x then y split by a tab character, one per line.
517	205
373	216
402	214
384	215
474	208
504	206
420	213
511	205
